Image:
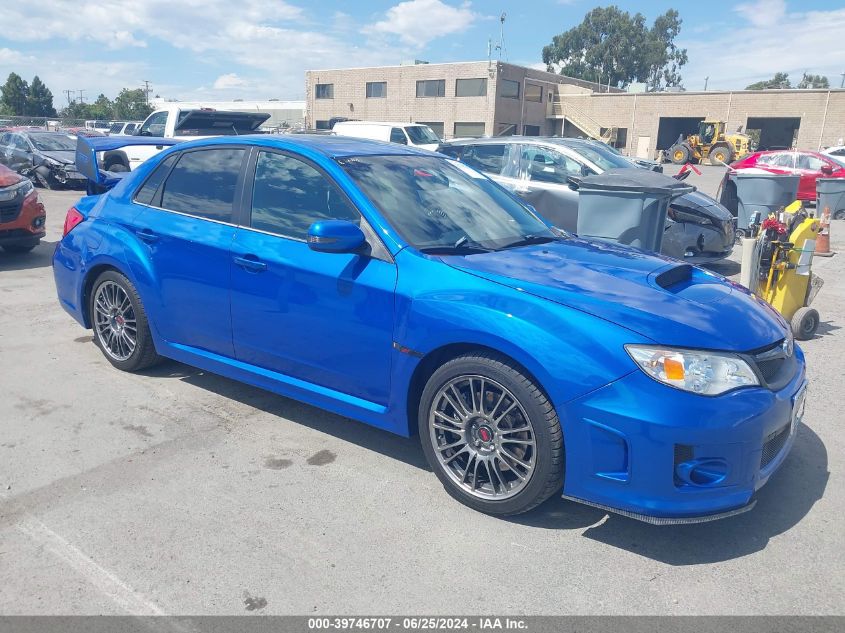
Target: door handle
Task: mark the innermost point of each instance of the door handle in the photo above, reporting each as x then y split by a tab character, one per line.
250	262
146	235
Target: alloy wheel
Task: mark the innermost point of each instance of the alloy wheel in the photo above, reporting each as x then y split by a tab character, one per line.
115	322
482	437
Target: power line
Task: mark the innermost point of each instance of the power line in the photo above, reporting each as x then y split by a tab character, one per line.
68	93
147	91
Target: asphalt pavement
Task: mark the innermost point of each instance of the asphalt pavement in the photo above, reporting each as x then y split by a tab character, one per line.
176	491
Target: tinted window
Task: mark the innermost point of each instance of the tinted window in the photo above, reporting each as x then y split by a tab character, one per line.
324	91
376	89
453	151
435	126
431	88
510	89
52	142
784	159
546	165
420	134
469	129
146	194
203	184
533	92
471	87
531	130
397	136
810	162
486	158
289	195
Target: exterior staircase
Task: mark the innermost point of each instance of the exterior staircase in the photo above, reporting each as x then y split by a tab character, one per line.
560	109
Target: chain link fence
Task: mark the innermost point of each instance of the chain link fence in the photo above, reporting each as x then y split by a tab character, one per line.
43	123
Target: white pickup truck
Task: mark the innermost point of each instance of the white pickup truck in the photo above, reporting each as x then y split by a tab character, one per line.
182	124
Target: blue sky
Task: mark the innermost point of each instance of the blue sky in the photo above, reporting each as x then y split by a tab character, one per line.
219	49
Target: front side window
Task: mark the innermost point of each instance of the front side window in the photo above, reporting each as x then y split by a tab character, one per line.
810	162
546	165
602	156
509	89
420	134
471	87
785	160
324	91
533	92
436	127
289	195
431	88
154	125
376	89
487	158
437	203
203	184
398	136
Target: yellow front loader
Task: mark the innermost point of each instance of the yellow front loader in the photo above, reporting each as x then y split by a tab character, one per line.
710	143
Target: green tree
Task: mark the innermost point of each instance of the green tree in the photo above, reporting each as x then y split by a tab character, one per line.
780	80
14	93
131	105
813	81
102	108
613	47
77	110
40	99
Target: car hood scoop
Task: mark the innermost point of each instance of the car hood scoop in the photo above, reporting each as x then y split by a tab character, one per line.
660	298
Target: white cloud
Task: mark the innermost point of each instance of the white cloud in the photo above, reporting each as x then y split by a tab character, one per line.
762	13
229	81
796	42
417	22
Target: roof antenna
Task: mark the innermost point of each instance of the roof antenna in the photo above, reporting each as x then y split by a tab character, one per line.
501	45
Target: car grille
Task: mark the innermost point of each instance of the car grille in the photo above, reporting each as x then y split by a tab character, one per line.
776	368
9	211
773	445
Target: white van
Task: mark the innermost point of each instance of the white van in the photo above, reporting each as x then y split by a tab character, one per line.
412	134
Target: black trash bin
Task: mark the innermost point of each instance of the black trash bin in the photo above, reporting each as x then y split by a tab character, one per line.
830	193
627	206
748	191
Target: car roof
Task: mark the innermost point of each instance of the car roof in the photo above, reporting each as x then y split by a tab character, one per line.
379	123
528	140
329	145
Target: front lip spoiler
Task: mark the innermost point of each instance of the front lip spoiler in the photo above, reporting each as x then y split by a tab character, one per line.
653	520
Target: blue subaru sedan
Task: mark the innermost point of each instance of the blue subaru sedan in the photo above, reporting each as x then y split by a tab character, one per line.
408	291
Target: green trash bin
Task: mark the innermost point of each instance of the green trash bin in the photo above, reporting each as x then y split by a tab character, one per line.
627	206
830	193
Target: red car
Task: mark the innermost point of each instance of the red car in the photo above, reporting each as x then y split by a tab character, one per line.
22	215
809	165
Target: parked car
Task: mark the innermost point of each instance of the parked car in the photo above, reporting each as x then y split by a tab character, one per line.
645	163
22	216
45	157
809	165
414	134
698	229
411	292
123	128
837	151
98	126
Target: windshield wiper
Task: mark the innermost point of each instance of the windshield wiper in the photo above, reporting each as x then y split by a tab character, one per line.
527	240
463	245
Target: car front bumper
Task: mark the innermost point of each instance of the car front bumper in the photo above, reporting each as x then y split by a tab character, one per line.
22	222
627	442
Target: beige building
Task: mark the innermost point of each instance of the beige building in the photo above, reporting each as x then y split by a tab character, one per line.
497	98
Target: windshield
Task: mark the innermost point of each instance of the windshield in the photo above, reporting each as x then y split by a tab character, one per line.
421	134
53	142
839	160
602	157
436	203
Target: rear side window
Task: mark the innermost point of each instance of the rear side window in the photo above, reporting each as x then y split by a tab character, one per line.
487	158
147	193
289	195
203	184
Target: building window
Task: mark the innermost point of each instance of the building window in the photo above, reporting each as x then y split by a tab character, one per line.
376	89
507	129
471	87
531	130
324	125
510	89
431	88
469	129
533	92
324	91
436	126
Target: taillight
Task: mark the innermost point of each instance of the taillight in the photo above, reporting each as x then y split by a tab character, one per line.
72	218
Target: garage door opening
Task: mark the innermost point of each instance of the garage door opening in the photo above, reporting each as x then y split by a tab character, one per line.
671	127
773	132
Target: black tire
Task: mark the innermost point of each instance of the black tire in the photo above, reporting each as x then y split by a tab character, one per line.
144	354
546	476
721	154
19	249
804	323
680	154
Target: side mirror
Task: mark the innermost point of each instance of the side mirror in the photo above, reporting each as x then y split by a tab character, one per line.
573	182
827	170
335	236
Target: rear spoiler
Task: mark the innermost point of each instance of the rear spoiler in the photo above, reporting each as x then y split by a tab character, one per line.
87	148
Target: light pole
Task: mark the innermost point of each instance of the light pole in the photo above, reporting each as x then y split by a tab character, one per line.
842	85
706	79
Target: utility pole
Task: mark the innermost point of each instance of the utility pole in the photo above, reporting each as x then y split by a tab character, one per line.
706	79
147	90
81	92
842	85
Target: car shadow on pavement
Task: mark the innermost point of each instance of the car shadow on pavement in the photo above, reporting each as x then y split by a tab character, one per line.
724	267
404	449
781	504
826	327
39	257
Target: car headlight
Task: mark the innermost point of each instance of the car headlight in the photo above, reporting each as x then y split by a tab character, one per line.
705	373
21	188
